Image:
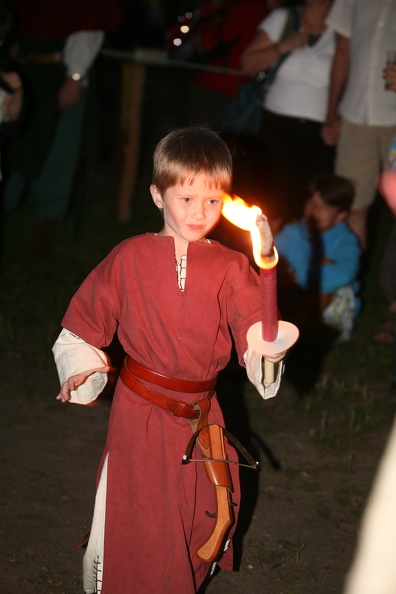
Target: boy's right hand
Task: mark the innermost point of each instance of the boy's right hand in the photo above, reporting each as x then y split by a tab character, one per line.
77	380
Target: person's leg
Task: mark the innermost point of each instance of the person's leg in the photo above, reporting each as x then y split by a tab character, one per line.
312	158
358	159
341	312
13	190
281	139
52	189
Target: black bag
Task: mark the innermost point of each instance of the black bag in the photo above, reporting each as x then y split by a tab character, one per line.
244	114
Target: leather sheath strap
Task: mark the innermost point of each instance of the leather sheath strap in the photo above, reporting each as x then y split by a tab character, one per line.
132	372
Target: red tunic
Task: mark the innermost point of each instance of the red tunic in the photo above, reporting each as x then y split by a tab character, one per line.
155	513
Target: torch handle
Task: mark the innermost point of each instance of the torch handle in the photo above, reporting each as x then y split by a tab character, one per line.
287	336
269	371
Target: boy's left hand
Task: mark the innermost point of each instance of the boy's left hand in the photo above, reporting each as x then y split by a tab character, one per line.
77	380
276	357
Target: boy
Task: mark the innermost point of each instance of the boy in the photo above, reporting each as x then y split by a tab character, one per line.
321	258
173	298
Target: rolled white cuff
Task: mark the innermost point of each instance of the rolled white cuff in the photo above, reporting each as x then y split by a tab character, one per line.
255	371
73	355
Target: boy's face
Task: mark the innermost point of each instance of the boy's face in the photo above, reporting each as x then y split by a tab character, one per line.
190	211
320	216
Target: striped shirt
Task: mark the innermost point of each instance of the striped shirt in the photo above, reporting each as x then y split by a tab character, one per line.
371	27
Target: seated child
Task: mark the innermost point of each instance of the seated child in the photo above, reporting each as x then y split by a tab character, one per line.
176	299
319	260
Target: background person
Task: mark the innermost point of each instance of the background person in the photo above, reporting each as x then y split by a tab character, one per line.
358	101
373	570
11	86
57	43
387	278
219	33
321	258
294	109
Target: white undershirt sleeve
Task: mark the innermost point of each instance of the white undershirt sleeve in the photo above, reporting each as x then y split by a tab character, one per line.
73	355
255	371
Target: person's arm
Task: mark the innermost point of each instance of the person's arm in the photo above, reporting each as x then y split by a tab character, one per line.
79	53
373	569
263	52
338	77
82	369
292	266
344	268
12	104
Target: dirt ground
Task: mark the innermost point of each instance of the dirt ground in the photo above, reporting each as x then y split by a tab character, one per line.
300	515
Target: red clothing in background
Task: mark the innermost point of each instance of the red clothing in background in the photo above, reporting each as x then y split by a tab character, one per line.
233	23
54	19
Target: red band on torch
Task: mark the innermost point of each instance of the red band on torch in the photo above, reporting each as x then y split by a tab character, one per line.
269	304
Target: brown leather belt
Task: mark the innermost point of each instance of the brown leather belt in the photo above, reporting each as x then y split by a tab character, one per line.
132	372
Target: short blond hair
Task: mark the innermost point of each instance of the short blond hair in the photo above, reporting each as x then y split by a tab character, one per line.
185	153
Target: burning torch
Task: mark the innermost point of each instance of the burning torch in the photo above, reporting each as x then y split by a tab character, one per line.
271	336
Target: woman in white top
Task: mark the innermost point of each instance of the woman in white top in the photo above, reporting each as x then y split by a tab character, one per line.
295	104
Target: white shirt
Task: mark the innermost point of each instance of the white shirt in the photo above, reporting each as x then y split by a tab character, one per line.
301	85
80	51
371	27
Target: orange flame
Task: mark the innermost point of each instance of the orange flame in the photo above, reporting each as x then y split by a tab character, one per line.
243	216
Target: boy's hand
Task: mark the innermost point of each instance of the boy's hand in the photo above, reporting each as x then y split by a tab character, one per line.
77	380
276	357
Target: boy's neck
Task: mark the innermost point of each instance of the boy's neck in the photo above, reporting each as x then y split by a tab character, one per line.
180	244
